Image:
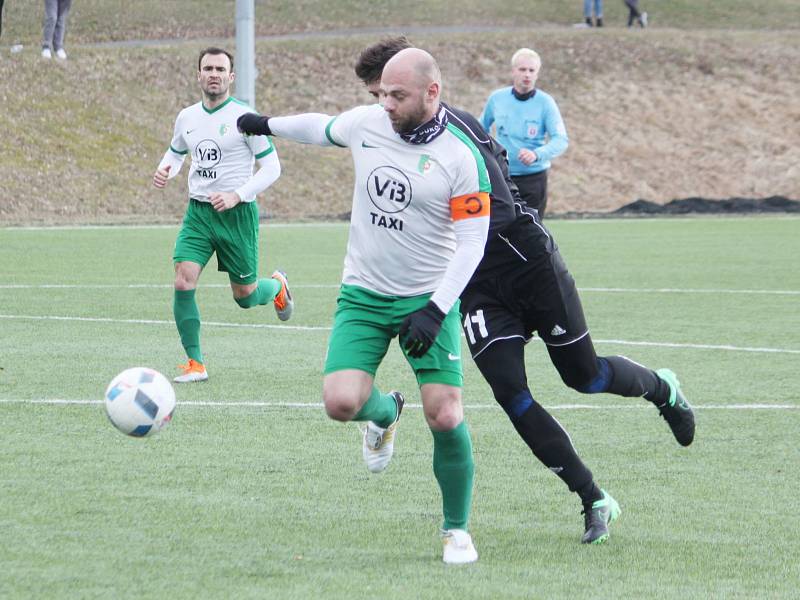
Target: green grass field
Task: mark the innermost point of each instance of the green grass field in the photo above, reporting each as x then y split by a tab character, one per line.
253	493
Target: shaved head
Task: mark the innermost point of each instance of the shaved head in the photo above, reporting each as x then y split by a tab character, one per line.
410	87
414	66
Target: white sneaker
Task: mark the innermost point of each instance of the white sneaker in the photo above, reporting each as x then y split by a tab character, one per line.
458	547
643	19
284	303
46	53
61	53
378	443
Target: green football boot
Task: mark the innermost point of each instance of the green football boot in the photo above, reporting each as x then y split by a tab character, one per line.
597	519
676	411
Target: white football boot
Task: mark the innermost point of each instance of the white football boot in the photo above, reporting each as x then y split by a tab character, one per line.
458	547
378	443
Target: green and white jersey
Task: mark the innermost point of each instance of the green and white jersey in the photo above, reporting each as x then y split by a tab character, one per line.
407	200
222	158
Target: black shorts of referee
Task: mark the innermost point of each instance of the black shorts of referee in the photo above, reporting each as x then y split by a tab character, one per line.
533	190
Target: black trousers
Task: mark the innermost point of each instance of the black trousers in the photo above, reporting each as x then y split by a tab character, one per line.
533	190
633	11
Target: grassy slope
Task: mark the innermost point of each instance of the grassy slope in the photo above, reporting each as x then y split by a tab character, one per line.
274	502
658	114
102	20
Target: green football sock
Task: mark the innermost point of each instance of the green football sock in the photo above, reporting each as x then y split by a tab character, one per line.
381	409
454	470
265	292
187	318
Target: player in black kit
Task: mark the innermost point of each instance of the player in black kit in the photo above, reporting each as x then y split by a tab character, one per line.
522	285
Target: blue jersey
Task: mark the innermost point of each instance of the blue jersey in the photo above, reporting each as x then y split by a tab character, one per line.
534	124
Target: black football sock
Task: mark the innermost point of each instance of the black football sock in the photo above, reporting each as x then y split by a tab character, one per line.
631	379
551	444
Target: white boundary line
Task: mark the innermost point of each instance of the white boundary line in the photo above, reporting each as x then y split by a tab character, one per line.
132	286
343	223
138	286
315	328
265	224
158	322
319	405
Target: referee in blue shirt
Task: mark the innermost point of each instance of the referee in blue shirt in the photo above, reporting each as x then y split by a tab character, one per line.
529	125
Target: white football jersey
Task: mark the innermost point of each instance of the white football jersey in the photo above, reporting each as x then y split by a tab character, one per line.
405	200
222	158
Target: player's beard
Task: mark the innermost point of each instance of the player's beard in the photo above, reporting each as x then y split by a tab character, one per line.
215	95
412	120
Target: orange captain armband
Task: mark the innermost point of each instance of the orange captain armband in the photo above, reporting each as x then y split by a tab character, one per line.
469	206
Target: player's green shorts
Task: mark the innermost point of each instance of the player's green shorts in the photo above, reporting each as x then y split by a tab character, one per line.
366	322
232	234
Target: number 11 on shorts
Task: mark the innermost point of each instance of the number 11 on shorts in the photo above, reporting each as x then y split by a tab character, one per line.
475	318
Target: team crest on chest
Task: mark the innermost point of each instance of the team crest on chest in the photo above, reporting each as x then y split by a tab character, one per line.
224	128
425	164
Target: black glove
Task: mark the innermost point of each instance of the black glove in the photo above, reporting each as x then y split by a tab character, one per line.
253	124
420	328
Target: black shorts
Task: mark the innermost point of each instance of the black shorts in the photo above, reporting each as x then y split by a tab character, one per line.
538	296
533	190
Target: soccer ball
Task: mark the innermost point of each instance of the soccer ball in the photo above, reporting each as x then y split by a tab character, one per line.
140	401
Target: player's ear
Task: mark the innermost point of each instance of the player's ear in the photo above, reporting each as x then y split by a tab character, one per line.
233	76
433	91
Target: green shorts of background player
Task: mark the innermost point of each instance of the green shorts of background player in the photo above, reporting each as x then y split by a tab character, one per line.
233	235
364	325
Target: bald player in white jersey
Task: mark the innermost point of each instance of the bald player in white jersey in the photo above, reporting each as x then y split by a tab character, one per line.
222	215
418	227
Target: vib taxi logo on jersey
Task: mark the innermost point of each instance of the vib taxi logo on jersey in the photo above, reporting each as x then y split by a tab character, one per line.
389	190
207	156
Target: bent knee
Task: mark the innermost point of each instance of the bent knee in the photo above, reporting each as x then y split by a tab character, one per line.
589	380
340	407
444	416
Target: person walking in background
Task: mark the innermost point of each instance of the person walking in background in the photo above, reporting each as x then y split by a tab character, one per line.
222	215
598	12
634	15
55	28
529	126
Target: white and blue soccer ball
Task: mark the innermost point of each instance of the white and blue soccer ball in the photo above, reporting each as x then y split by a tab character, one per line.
140	401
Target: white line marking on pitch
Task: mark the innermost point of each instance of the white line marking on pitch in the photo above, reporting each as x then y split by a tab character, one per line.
157	322
315	328
137	286
318	405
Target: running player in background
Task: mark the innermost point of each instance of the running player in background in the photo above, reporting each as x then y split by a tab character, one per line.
222	215
522	285
417	231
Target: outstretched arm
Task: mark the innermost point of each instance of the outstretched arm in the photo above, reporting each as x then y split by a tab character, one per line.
307	128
